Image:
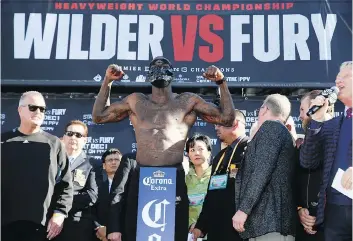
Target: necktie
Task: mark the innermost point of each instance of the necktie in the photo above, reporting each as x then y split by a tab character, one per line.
349	113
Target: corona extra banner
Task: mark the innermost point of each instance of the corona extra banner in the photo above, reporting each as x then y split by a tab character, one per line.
259	43
156	204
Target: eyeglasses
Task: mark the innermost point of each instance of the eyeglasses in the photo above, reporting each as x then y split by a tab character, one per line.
110	161
72	133
33	108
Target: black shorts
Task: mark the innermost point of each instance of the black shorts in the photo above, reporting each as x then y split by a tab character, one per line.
181	207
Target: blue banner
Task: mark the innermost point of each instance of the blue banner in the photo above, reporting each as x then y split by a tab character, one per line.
292	43
156	204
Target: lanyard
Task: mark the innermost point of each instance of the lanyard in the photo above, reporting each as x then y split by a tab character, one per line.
230	160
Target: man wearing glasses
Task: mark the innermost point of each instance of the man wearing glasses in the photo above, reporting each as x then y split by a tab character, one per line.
79	224
111	161
215	219
31	162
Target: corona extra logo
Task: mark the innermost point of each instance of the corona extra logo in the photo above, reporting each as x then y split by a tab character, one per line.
158	174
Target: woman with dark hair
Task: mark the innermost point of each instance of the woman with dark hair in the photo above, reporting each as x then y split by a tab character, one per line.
198	149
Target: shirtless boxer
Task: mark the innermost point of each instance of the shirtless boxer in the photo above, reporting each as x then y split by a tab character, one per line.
161	121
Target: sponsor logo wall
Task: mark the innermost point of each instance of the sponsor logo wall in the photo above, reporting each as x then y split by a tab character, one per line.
121	135
302	42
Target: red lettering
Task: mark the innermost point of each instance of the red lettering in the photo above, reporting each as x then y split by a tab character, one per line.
74	6
82	5
58	5
171	6
249	6
153	6
186	7
289	5
131	6
198	7
91	5
212	38
101	6
183	47
216	7
123	6
110	6
163	7
66	6
226	7
236	6
258	6
139	6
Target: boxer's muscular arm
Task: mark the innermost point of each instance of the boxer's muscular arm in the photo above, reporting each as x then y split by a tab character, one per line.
223	115
104	112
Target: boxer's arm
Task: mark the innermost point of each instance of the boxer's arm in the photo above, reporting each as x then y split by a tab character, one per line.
222	114
104	112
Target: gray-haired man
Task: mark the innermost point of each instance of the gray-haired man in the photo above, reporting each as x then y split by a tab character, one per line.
266	210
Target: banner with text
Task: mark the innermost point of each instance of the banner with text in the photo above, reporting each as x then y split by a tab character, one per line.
298	43
156	204
62	109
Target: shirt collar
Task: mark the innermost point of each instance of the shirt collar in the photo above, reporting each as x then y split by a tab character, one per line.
207	172
345	110
236	141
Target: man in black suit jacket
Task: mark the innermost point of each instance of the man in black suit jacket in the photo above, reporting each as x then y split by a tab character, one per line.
215	219
266	209
79	224
118	196
111	161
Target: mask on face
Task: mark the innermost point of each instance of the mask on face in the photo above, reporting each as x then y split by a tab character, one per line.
159	74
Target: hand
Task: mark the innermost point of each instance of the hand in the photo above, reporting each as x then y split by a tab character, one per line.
55	225
196	233
213	73
320	114
114	236
101	233
192	226
305	219
113	72
239	220
346	180
310	231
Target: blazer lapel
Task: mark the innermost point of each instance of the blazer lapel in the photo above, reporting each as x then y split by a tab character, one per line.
78	161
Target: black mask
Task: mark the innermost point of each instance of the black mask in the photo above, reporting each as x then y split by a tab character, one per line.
160	73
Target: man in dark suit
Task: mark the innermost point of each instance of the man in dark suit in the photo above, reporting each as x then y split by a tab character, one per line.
329	143
215	219
111	161
79	224
118	195
266	208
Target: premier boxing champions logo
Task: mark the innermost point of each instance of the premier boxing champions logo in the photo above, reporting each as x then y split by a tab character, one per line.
158	181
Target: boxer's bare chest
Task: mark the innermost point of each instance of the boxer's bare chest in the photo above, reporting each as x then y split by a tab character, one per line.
161	130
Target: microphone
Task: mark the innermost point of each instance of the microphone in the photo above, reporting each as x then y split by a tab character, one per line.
330	94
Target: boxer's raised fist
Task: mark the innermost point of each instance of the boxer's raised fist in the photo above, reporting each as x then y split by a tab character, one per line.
114	72
213	73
